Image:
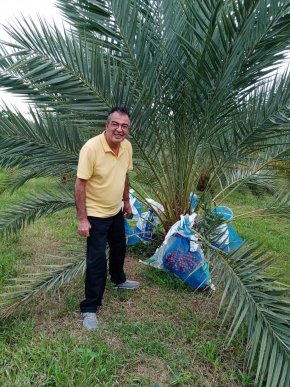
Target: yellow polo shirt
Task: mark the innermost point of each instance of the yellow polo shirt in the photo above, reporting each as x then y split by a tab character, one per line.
105	173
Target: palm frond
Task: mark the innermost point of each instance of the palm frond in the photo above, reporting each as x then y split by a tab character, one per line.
31	285
254	299
39	130
197	78
63	71
28	210
40	145
279	205
233	169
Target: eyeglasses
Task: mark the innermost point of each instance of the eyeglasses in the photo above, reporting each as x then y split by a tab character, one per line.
116	125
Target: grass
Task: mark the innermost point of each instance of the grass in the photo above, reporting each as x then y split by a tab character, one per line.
160	335
272	232
164	334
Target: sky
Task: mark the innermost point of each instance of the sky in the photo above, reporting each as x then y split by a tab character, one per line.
11	9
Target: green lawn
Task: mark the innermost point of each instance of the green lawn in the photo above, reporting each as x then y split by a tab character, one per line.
164	334
272	232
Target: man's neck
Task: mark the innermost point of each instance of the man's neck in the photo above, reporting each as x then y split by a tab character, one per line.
114	147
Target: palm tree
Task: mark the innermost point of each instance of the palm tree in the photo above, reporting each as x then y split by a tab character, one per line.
207	112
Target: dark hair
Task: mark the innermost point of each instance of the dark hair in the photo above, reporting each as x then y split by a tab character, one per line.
119	109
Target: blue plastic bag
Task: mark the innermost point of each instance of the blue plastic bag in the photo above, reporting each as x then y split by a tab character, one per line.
185	264
181	254
144	226
235	241
192	201
135	204
131	237
226	238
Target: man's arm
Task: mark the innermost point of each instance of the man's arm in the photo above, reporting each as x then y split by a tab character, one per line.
126	208
80	198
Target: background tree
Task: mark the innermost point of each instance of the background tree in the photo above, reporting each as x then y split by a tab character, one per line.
206	111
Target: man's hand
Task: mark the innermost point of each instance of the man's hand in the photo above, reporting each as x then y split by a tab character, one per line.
84	228
127	209
84	225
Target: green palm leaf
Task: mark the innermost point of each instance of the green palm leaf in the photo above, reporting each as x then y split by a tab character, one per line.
29	286
206	112
254	298
33	207
39	146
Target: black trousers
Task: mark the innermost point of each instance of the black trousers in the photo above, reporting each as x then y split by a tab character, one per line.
104	230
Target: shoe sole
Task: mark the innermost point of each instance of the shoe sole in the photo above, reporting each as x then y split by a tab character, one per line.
118	288
90	329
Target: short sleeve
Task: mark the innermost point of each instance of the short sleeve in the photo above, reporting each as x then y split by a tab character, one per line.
86	163
130	165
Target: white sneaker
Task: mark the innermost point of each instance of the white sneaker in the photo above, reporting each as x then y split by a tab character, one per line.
90	321
128	284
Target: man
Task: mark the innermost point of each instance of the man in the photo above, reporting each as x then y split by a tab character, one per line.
102	184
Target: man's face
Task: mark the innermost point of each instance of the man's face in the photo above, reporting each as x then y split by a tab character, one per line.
117	128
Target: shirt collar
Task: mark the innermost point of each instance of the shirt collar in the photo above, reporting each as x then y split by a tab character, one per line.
106	145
